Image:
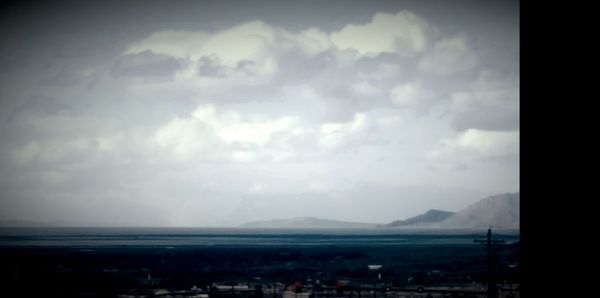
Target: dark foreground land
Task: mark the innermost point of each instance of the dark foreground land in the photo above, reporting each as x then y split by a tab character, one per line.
146	270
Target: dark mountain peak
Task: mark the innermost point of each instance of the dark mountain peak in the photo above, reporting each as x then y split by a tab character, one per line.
436	211
431	216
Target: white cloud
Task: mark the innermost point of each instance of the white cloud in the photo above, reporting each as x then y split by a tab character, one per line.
403	33
336	135
311	41
211	134
449	55
243	50
182	137
364	88
248	41
410	95
257	131
249	54
476	144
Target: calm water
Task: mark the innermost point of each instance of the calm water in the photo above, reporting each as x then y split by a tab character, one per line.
239	237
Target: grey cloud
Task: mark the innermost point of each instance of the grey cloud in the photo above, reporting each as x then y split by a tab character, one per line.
298	68
462	167
62	79
246	66
335	83
146	64
506	159
210	67
487	119
503	58
8	65
44	105
93	47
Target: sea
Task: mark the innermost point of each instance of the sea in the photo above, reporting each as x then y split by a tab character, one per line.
173	237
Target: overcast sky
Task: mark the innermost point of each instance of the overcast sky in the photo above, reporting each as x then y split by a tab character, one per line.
201	113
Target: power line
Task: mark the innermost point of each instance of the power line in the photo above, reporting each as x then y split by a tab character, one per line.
492	287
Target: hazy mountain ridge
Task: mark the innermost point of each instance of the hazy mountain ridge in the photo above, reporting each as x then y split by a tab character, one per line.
499	211
431	216
307	222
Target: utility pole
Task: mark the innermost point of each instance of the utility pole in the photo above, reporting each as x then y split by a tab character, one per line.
492	287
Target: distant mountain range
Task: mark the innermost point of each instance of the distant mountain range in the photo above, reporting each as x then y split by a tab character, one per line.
499	211
307	223
430	216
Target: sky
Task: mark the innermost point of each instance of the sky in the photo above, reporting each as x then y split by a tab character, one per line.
216	113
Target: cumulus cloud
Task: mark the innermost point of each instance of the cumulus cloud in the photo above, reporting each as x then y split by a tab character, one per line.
346	135
181	44
183	137
211	134
411	95
448	56
254	52
237	51
311	41
475	144
403	33
373	56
